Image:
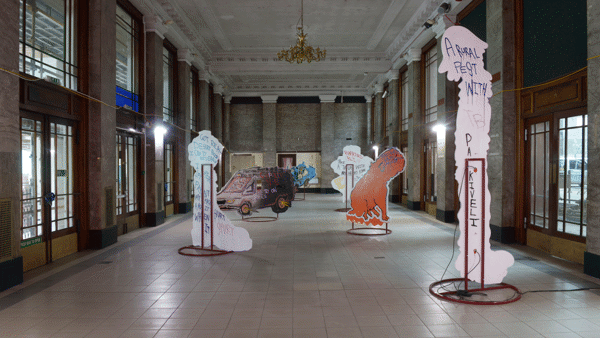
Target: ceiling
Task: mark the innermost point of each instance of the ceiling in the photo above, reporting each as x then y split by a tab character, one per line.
234	43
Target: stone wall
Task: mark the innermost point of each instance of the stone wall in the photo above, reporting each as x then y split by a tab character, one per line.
299	127
245	128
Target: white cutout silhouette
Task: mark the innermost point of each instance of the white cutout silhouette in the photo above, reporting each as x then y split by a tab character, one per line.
463	59
206	149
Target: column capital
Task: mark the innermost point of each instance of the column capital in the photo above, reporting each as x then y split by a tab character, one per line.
441	24
271	98
184	55
228	98
368	98
378	87
392	75
413	54
155	24
327	98
219	89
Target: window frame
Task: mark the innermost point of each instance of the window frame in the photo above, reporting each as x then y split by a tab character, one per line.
429	112
195	98
138	55
71	39
127	182
169	108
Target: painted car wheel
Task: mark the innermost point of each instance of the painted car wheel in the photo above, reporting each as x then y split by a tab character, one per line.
245	209
281	205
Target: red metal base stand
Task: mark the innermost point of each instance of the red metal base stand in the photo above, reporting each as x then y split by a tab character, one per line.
362	231
459	296
201	251
260	218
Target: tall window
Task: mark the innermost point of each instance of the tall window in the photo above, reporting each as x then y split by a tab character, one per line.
404	104
404	173
431	74
128	31
168	85
572	179
48	40
431	158
193	99
169	173
372	136
127	149
384	122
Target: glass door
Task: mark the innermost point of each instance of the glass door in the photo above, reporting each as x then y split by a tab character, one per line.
556	175
48	186
430	168
538	174
572	176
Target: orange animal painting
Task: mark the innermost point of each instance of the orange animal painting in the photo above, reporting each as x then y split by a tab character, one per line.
369	198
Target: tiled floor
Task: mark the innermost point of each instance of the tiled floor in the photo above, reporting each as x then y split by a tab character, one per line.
304	277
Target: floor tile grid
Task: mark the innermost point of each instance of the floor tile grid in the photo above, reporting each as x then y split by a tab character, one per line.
312	277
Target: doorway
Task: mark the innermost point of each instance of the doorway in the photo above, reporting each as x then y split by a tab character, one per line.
49	192
286	161
556	176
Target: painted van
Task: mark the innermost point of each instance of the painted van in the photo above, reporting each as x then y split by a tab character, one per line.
256	188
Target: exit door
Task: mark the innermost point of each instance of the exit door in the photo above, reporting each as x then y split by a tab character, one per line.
48	200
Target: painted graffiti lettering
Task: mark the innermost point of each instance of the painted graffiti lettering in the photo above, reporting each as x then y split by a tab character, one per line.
463	52
466	68
473	204
476	88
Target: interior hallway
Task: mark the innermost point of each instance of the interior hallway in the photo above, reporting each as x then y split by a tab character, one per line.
304	277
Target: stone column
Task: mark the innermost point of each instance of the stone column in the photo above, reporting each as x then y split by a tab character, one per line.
102	123
183	185
204	123
502	166
218	127
369	99
591	257
378	116
447	93
394	127
269	130
154	148
414	158
11	261
329	152
226	137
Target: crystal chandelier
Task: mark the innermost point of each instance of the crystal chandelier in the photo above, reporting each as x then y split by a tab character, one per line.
301	52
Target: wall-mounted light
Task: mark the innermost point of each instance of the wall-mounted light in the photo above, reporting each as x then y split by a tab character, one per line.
159	134
444	8
439	128
384	94
160	130
376	149
428	23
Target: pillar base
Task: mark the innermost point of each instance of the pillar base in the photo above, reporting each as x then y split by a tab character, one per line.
446	216
11	273
591	264
100	239
504	235
184	208
155	218
413	205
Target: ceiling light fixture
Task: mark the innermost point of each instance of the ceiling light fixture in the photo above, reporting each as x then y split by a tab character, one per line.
301	51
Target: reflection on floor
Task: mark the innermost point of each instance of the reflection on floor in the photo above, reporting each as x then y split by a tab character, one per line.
304	277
